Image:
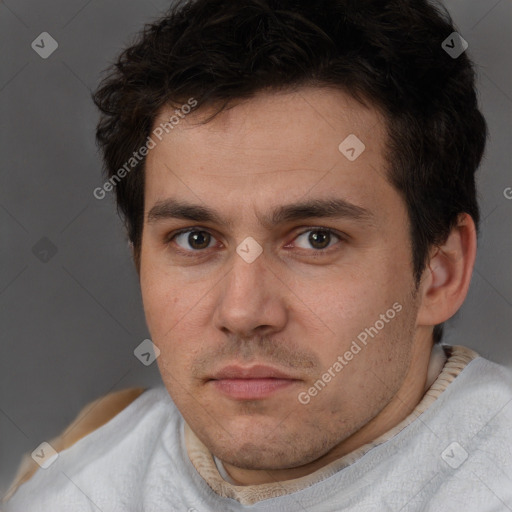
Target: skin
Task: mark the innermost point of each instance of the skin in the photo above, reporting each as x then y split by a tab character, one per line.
291	308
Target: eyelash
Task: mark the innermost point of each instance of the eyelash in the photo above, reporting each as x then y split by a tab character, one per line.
314	252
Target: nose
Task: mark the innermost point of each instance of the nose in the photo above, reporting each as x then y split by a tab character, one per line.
251	300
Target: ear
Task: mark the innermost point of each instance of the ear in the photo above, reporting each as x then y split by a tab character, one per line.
445	281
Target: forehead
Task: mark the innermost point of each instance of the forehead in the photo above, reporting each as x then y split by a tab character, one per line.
272	149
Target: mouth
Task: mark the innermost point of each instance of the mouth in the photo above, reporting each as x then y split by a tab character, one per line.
251	383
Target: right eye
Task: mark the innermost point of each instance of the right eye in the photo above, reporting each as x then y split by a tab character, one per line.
196	240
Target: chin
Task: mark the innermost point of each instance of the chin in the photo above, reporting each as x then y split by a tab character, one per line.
252	457
261	449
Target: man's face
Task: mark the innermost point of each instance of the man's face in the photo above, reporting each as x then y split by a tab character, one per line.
292	310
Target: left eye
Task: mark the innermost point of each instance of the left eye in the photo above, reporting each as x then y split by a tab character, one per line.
318	238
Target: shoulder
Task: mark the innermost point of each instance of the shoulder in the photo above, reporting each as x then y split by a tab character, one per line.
478	388
474	440
478	414
90	418
484	375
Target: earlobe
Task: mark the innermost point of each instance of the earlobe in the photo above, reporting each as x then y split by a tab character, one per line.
446	279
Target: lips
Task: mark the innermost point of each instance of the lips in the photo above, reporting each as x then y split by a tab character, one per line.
253	383
253	372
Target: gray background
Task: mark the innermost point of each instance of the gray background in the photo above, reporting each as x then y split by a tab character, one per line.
70	324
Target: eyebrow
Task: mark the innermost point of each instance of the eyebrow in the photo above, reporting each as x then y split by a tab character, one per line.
334	208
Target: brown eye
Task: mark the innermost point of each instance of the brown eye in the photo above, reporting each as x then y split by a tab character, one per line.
195	239
317	239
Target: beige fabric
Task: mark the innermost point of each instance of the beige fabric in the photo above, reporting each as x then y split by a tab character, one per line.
456	358
90	418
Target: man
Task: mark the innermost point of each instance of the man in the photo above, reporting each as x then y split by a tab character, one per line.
297	181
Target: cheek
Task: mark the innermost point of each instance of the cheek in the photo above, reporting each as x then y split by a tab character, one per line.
161	291
155	299
169	294
366	314
369	373
170	320
353	300
161	302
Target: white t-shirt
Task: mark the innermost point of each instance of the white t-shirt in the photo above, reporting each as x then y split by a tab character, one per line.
456	456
